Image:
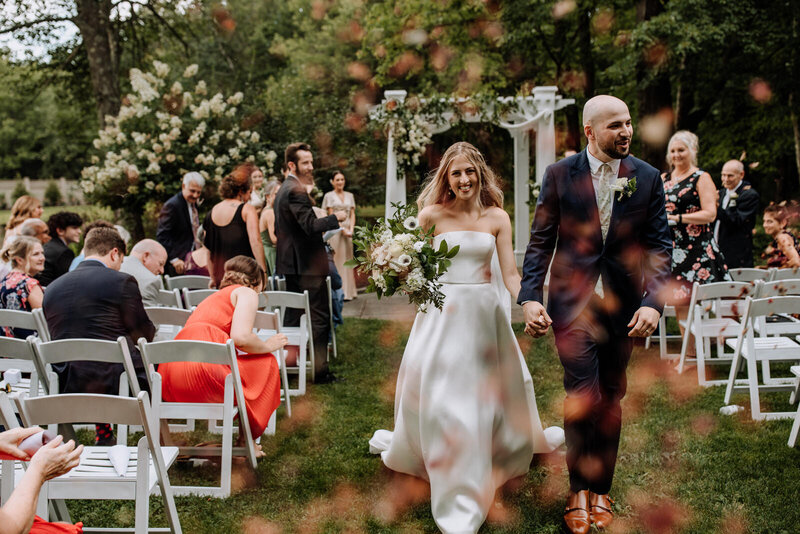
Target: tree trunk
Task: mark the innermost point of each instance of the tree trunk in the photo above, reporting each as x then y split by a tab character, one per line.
586	56
796	129
100	41
655	96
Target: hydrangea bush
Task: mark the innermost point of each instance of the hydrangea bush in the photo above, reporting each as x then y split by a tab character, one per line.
398	255
168	125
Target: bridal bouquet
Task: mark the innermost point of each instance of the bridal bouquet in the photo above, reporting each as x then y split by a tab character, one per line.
398	256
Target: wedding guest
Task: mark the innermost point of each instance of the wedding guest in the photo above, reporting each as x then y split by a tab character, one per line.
25	207
301	257
179	220
35	228
96	301
232	225
266	225
736	216
196	261
230	314
99	223
784	251
19	290
342	242
257	177
17	515
146	264
65	229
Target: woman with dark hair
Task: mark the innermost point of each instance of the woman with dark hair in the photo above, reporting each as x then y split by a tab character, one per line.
784	251
230	314
342	242
232	225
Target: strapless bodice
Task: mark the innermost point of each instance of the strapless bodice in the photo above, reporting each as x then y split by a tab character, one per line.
473	262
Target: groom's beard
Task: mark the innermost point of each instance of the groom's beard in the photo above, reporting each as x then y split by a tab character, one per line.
615	151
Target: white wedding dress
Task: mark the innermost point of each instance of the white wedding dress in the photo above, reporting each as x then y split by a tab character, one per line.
465	416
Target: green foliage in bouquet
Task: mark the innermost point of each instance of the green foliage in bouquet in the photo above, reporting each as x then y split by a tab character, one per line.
398	255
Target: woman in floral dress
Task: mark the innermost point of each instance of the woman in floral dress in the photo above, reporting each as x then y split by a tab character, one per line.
691	202
19	290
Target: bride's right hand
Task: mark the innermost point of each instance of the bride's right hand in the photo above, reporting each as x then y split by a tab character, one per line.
278	341
537	322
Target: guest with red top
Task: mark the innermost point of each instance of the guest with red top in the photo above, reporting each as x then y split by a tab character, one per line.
230	314
784	251
19	290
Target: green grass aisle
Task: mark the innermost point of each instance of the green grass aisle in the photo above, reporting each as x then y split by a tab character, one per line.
682	467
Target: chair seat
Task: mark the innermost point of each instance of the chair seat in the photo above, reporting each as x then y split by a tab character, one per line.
795	369
718	327
780	348
778	324
24	386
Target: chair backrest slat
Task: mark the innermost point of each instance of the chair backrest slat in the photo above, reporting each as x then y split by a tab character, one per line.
192	298
187	281
183	350
168	316
786	274
725	290
774	305
747	274
268	320
18	319
169	298
779	288
80	408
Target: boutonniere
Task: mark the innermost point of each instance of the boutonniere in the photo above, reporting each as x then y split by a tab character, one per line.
624	187
732	199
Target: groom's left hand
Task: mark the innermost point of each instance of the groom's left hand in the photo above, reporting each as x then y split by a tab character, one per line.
644	322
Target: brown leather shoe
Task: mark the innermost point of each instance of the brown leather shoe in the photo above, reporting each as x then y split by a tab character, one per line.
600	510
576	515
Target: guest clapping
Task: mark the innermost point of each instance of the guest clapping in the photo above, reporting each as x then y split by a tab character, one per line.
266	225
342	242
232	225
784	251
19	290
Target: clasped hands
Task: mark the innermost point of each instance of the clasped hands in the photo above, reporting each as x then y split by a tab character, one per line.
537	322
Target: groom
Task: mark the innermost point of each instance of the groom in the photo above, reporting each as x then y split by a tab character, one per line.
611	264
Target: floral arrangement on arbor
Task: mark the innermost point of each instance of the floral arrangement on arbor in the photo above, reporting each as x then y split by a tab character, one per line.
398	255
168	126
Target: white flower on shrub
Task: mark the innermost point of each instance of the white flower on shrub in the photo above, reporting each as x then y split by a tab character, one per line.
231	112
170	158
149	185
175	121
142	86
201	88
153	168
190	71
187	99
217	104
162	69
236	98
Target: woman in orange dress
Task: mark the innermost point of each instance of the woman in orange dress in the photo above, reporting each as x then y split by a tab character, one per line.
230	314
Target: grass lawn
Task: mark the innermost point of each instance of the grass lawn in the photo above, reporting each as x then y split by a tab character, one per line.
682	466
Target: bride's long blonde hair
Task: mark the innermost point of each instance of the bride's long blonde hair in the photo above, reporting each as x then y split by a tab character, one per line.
437	189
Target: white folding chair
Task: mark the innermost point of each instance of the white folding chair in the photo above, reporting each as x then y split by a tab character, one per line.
749	350
162	352
95	477
33	320
18	354
662	338
64	351
191	298
186	281
747	274
300	335
795	370
169	299
276	283
710	310
792	273
332	342
168	321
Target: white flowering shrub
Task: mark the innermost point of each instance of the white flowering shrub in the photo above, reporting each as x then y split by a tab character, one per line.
166	127
409	123
398	256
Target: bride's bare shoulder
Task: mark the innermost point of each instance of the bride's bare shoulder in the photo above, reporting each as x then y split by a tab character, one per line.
497	215
429	215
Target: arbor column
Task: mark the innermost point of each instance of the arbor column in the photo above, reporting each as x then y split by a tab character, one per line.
395	184
545	100
522	173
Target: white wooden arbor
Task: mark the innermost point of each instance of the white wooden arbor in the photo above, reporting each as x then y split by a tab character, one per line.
534	112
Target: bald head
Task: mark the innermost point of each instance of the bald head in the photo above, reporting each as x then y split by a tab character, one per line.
152	255
607	126
35	228
732	174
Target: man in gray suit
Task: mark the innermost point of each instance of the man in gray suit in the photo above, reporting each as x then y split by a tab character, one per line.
146	264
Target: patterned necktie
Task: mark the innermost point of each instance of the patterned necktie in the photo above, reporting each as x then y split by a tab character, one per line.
604	203
195	224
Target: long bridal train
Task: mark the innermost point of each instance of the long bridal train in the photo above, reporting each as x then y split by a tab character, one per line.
465	412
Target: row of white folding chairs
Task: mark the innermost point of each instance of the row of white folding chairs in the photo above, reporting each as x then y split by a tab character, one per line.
191	282
749	274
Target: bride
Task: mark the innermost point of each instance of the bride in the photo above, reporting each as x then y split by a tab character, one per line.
465	416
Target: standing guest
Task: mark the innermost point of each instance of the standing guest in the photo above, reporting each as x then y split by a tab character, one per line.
257	177
35	228
196	261
342	242
784	251
610	266
19	290
99	223
301	257
25	207
736	216
266	225
179	220
65	229
232	225
230	314
146	265
97	301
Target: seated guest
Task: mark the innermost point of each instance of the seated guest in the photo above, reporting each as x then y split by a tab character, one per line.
784	251
17	515
146	264
65	228
35	228
99	223
97	301
25	207
19	290
736	216
230	314
196	261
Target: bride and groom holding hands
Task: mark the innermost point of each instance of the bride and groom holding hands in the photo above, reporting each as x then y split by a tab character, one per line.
465	413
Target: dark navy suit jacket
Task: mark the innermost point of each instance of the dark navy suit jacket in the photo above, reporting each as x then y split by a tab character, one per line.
96	302
634	261
175	227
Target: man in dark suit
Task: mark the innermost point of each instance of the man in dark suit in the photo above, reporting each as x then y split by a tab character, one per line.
736	216
605	211
97	301
178	222
65	228
300	251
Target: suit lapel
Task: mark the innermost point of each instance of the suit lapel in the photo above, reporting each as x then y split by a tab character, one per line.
626	170
581	176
